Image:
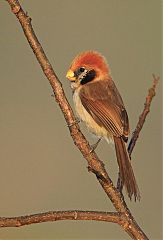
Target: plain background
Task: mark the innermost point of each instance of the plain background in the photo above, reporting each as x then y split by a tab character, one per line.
41	169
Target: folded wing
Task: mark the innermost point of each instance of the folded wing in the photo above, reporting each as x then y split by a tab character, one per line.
104	103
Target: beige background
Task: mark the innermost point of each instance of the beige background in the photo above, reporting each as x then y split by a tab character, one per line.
41	169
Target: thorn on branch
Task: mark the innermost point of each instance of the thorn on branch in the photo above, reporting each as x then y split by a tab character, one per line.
29	19
15	8
97	173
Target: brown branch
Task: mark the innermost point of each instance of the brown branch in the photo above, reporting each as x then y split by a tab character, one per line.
142	118
62	215
95	165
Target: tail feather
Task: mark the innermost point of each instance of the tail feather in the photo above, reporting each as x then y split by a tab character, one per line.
125	169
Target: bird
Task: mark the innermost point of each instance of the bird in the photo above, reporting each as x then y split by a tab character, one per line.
99	105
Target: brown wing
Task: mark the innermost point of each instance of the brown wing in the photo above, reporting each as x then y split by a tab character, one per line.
104	103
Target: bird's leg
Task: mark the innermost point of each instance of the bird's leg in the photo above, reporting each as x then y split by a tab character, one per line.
94	146
77	120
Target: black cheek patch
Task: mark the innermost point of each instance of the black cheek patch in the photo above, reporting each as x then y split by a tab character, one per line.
88	77
77	73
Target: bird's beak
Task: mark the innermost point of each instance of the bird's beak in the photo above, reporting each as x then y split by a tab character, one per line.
70	75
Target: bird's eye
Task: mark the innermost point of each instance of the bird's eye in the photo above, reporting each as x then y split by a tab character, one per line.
81	69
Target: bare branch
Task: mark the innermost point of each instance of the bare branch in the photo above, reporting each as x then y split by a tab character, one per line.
142	118
62	215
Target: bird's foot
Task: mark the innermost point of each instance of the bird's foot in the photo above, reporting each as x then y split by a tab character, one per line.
94	146
77	120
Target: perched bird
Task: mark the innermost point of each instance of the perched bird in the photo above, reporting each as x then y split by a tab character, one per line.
99	104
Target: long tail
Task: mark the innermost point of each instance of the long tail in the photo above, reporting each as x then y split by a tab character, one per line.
125	169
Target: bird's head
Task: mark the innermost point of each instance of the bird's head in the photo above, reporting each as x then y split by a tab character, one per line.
87	67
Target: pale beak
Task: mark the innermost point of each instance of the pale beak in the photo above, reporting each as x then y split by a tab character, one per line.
70	75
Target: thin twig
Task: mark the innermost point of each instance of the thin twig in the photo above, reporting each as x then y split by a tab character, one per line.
142	118
62	215
130	226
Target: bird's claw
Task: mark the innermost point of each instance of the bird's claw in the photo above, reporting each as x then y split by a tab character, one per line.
77	120
94	146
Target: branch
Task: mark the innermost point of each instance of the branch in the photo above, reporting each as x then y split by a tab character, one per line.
95	165
142	118
62	215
